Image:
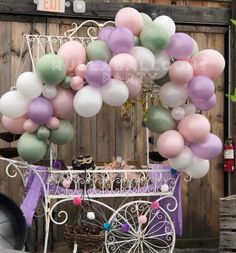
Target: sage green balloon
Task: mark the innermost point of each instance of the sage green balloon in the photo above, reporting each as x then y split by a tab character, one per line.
30	148
136	41
154	37
163	80
146	19
63	134
51	69
158	119
66	82
98	50
43	133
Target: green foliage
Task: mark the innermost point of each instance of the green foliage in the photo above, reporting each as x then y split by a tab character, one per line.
232	97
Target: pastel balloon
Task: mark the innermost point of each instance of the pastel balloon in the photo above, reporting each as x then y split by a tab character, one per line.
13	104
162	81
158	119
167	22
172	95
98	73
123	66
154	37
170	144
194	127
115	93
136	41
146	19
105	33
178	113
201	88
63	103
66	82
73	53
49	91
209	63
80	70
195	48
88	101
40	110
198	168
121	40
145	59
189	108
181	72
76	83
180	46
43	133
63	134
209	148
162	65
206	105
14	126
134	85
30	148
99	50
130	18
51	69
30	126
182	161
29	85
53	123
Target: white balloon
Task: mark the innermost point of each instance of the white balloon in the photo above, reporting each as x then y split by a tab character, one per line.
182	161
145	59
13	104
164	188
162	65
29	85
172	95
167	22
189	108
88	101
49	91
178	113
198	168
195	48
115	92
91	215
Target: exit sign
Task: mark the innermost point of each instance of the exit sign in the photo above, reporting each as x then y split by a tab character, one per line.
51	5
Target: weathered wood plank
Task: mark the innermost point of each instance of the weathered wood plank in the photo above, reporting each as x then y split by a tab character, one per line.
228	206
106	11
227	240
228	223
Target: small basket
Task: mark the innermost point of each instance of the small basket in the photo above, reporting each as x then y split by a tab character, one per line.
87	242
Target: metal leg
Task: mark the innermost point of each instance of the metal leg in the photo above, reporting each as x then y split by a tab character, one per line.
47	229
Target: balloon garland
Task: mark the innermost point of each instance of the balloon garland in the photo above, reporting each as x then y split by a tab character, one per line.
110	70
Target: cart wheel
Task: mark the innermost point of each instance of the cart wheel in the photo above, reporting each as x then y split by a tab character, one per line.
136	227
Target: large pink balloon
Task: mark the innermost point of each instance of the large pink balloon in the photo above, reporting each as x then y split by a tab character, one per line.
181	72
134	86
14	126
30	126
194	127
63	103
123	66
73	53
170	144
208	63
129	18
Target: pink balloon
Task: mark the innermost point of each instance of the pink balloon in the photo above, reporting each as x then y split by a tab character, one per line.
194	127
181	72
14	126
53	123
63	103
80	70
208	63
73	53
130	18
123	66
170	144
76	83
134	86
30	126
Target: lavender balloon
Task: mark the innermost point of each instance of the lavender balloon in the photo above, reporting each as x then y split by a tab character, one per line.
209	149
201	88
105	33
206	105
40	110
121	40
98	73
180	46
